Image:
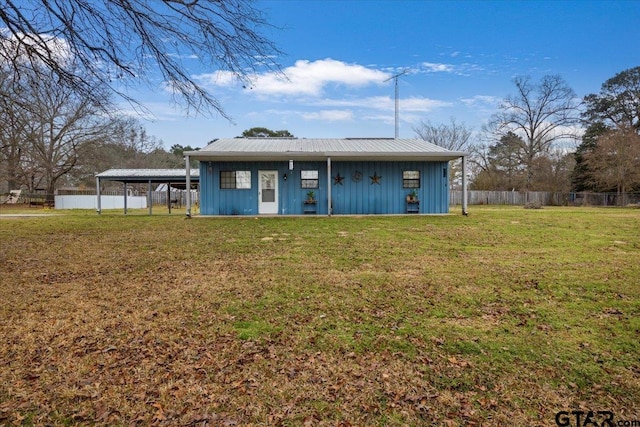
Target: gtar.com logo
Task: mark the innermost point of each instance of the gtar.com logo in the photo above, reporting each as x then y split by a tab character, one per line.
591	418
584	418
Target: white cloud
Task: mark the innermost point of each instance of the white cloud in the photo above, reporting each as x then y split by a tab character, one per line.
183	56
422	104
431	67
482	101
465	69
310	78
378	109
329	115
372	102
218	78
386	103
152	111
304	78
43	44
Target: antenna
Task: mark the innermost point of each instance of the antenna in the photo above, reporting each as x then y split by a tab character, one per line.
395	77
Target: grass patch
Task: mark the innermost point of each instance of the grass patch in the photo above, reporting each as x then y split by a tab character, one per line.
501	318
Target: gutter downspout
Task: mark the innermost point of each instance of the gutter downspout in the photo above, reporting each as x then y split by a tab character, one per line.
464	186
188	185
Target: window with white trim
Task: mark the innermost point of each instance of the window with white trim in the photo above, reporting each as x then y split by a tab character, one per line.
235	179
309	179
410	179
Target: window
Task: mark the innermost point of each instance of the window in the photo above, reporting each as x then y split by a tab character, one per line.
235	179
309	179
410	179
243	179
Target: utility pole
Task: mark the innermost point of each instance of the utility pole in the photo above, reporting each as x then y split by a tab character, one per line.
395	77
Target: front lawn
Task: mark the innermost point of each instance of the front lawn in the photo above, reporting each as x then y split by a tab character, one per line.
501	318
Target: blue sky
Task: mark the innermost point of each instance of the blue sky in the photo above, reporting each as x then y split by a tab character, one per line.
461	57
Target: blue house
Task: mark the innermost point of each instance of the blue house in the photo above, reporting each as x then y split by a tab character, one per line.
296	176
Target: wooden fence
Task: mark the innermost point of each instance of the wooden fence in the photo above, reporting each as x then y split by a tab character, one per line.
544	198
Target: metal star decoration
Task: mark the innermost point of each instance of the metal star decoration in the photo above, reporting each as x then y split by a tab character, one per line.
338	179
375	179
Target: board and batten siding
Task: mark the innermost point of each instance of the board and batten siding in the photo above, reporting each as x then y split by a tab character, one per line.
349	198
388	197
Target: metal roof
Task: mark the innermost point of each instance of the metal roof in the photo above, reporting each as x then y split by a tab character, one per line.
146	175
319	148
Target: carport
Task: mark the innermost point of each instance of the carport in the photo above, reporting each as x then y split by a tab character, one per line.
172	177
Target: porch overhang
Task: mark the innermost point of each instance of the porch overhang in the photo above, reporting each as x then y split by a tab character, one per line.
336	156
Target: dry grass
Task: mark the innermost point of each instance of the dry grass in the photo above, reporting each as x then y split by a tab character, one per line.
502	318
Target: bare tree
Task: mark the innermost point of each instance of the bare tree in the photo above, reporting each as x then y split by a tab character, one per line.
124	144
498	166
55	127
541	113
118	42
454	136
12	133
481	168
552	172
614	162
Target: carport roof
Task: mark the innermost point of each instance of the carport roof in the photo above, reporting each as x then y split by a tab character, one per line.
149	175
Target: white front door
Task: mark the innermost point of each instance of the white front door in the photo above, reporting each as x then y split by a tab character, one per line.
268	192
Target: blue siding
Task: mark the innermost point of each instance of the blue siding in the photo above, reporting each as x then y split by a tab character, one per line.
350	197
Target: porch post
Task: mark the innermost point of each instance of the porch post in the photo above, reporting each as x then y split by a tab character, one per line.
329	186
99	204
464	185
169	196
188	185
125	197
